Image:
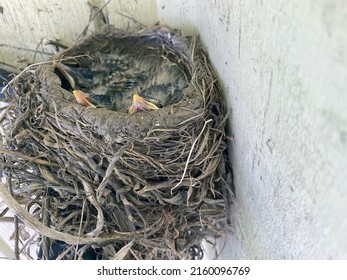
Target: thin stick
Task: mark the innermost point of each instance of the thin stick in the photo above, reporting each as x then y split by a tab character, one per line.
91	20
16	229
190	154
32	159
134	20
80	228
37	49
37	226
38	64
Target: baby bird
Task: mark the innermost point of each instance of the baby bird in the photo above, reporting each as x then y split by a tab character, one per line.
135	80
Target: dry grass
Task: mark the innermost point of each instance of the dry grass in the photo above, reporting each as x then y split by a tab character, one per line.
149	185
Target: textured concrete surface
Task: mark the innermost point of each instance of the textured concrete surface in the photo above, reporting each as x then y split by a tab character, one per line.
283	65
26	26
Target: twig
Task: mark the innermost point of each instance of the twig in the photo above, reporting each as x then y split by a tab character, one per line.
37	49
36	225
131	18
25	157
90	21
25	49
190	154
38	64
16	228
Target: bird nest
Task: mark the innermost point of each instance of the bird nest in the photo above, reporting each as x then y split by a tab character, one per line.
147	185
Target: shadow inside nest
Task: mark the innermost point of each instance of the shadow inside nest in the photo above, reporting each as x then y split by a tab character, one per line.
147	185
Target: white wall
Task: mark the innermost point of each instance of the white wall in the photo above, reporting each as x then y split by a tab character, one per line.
283	65
24	24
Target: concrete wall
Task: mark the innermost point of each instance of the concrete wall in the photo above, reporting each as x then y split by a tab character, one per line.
283	67
26	26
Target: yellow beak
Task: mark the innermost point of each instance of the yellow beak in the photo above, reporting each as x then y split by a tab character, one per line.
140	104
82	99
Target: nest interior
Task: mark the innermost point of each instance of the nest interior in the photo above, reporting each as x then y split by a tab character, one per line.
147	185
